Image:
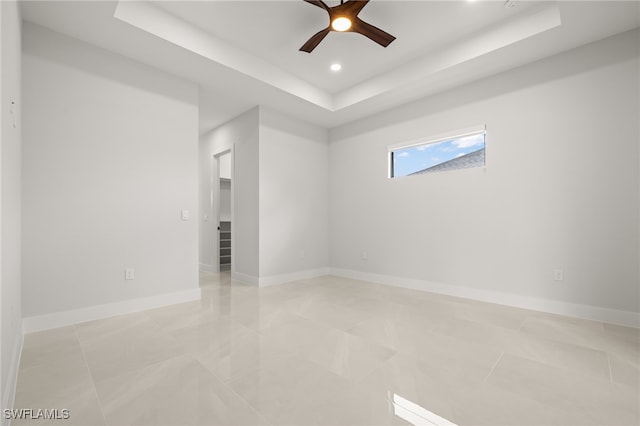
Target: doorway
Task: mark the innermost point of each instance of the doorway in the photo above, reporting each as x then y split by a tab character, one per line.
222	210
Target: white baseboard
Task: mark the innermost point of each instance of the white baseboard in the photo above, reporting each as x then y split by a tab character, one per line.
244	278
293	276
595	313
206	267
76	316
9	391
278	279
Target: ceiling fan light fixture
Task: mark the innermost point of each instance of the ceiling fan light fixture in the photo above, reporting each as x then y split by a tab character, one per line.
341	23
344	17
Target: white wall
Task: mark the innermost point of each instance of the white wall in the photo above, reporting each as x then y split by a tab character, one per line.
280	196
225	166
225	200
560	190
110	160
241	134
294	196
10	200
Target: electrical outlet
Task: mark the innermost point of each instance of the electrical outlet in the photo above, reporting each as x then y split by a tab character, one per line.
129	274
363	256
558	275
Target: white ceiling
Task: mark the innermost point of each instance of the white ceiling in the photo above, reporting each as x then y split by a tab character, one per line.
275	30
244	53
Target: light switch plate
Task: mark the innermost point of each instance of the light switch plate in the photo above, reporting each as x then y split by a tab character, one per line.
129	274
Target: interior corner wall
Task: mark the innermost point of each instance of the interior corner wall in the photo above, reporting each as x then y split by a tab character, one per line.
110	159
242	135
10	200
294	197
560	189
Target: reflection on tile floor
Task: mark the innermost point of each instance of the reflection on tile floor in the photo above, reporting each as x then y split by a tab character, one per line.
333	351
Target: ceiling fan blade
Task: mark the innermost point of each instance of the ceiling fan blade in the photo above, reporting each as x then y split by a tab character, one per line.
315	40
383	38
319	3
354	6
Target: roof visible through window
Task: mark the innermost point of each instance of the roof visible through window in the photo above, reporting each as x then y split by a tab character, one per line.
455	153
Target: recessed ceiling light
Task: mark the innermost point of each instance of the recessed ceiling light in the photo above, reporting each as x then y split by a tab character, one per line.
341	24
336	67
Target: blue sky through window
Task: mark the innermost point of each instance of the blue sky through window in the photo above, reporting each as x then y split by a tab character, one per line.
414	159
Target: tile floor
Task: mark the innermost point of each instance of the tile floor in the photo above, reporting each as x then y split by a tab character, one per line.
333	351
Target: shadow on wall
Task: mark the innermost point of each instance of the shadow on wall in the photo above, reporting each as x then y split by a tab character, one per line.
96	61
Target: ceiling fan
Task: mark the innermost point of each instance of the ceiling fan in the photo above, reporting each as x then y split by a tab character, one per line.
344	17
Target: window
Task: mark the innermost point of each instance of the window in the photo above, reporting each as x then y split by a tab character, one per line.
457	150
